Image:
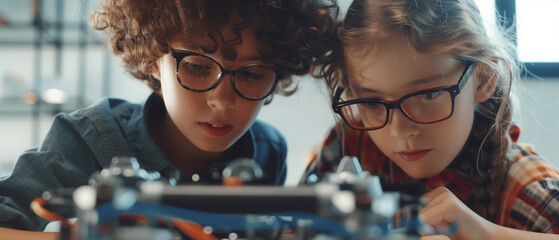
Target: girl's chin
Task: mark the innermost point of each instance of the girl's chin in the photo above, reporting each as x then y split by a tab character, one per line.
420	172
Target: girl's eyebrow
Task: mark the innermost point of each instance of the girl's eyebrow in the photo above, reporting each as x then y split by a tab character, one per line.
416	82
425	80
358	89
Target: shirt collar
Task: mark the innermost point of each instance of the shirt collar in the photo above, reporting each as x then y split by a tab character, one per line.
151	155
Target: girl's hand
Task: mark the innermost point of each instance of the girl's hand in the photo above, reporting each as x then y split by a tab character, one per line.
444	209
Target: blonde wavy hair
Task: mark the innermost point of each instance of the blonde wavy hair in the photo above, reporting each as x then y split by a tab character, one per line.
452	27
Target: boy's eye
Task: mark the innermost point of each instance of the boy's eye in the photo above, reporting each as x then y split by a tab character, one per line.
251	75
196	67
196	70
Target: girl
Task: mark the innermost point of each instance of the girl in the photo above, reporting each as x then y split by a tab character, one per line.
211	66
424	94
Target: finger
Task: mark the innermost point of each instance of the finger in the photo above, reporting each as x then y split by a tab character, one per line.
438	215
433	199
434	193
436	197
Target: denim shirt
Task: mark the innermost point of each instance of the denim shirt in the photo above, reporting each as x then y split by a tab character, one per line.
84	142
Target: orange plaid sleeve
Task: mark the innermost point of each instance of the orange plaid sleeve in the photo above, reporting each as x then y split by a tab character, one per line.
530	199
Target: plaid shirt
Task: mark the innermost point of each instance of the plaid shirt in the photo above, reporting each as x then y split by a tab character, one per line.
529	197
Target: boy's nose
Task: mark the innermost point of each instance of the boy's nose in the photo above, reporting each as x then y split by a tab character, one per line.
223	96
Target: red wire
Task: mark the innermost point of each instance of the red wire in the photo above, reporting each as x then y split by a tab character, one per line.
37	208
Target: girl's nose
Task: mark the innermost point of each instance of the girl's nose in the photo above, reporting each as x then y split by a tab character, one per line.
401	126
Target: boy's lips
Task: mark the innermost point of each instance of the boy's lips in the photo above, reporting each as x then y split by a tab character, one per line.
413	155
216	129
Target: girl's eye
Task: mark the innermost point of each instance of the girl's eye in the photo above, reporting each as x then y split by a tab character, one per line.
371	105
431	95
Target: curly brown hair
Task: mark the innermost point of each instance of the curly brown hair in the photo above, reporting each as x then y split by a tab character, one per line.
291	32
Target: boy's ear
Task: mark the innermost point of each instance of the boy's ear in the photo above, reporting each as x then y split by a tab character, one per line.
486	82
154	69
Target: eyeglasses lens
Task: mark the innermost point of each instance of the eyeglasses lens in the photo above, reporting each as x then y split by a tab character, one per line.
427	107
202	73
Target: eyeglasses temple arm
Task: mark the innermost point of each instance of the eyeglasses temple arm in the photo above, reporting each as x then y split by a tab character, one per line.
466	75
336	98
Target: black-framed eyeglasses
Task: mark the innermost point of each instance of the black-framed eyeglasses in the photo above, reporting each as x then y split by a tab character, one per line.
424	106
201	73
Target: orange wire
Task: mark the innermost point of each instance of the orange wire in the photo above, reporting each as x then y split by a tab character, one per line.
193	230
37	208
233	181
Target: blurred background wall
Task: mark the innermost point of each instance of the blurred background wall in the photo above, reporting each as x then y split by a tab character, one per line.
51	61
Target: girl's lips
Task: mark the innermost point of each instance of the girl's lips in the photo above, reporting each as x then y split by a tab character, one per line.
216	129
413	155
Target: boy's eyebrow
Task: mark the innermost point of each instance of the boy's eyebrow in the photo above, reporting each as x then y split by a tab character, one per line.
199	50
252	58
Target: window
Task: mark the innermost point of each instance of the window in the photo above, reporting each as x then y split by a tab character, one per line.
537	29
